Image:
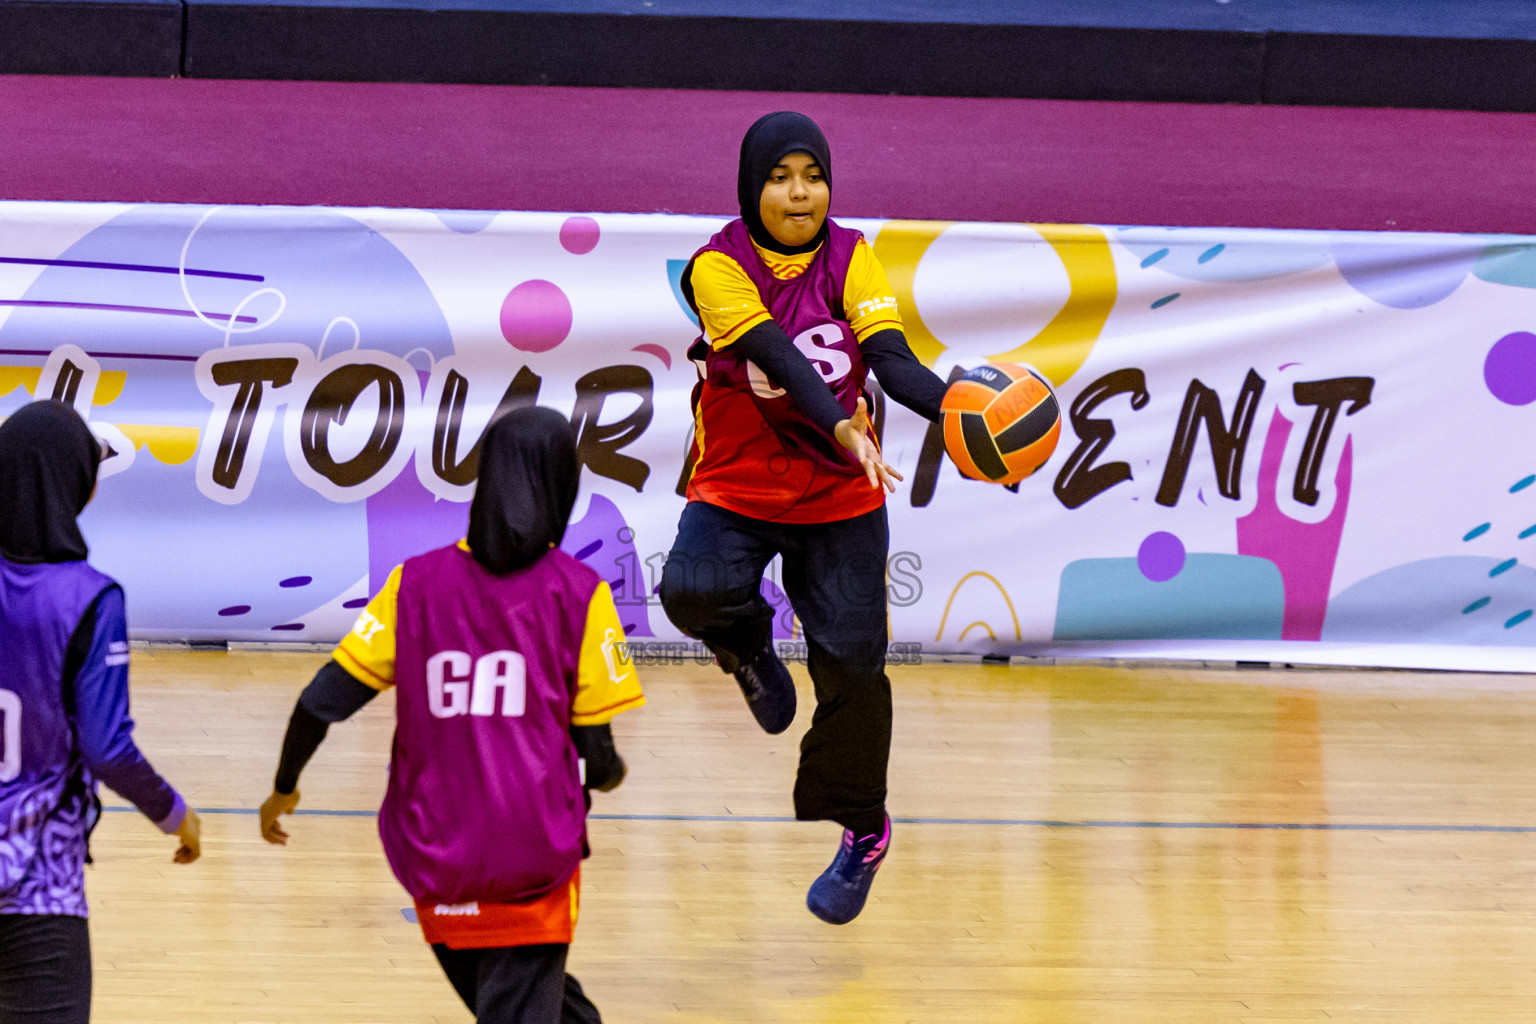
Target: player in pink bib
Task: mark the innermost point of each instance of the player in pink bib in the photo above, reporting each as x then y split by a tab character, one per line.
508	662
796	313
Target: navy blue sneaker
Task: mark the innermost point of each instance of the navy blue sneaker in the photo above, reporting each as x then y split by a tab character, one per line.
769	690
838	894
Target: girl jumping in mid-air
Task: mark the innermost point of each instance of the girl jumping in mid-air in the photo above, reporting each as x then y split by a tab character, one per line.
64	721
508	662
796	311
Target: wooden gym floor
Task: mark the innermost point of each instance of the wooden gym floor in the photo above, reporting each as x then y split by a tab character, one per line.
1074	845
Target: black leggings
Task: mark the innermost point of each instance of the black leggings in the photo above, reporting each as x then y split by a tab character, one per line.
45	969
517	985
834	576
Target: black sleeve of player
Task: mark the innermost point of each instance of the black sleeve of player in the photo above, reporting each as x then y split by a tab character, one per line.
303	738
786	366
333	695
594	744
901	375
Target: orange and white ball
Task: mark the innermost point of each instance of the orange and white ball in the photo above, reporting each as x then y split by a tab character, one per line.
1001	422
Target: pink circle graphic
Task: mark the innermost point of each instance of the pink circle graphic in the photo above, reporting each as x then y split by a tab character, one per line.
535	316
579	235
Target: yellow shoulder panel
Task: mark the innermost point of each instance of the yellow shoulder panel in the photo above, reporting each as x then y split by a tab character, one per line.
606	681
368	652
868	297
729	303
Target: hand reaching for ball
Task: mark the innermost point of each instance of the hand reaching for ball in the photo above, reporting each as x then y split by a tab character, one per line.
854	434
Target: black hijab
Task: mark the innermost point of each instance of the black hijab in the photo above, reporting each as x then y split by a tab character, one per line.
528	478
771	138
48	460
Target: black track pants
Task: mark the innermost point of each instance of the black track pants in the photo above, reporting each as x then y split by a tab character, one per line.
517	985
834	576
45	969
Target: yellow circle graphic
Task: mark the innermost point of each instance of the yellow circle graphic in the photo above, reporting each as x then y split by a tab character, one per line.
1062	345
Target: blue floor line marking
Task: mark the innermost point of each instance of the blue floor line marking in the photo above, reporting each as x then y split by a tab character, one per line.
1272	826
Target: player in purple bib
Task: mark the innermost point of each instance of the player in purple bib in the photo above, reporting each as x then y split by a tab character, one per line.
795	314
811	475
508	661
64	721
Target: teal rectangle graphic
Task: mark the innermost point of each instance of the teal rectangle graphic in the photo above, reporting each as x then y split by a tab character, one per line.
1214	597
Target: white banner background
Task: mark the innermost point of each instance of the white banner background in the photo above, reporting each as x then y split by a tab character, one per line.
1401	537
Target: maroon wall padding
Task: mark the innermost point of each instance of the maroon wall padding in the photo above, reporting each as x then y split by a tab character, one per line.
505	147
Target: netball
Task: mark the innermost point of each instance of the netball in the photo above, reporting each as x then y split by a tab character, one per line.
1001	422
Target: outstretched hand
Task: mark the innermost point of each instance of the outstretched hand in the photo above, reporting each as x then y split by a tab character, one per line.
274	807
854	434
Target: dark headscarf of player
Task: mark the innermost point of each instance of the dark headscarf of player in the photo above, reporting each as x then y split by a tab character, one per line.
48	462
771	138
528	478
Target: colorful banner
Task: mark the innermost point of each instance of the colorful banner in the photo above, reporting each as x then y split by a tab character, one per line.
1277	445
